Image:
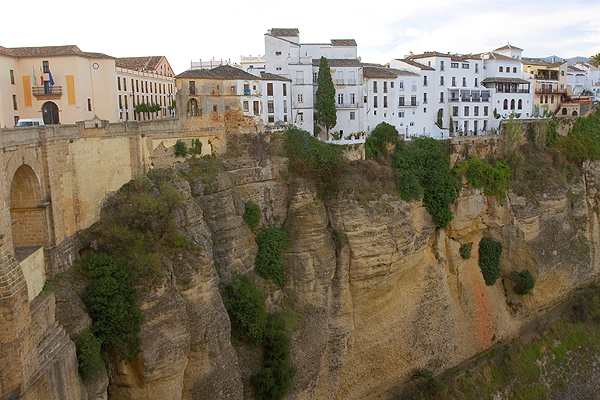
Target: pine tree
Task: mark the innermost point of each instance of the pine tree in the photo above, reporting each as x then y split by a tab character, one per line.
326	111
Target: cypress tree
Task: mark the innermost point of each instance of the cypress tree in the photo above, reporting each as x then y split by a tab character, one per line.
326	111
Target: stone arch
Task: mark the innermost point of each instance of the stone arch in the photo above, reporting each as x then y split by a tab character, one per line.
50	113
28	228
574	113
192	108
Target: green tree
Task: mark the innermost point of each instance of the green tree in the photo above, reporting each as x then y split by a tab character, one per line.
246	307
595	60
377	143
326	111
524	282
269	265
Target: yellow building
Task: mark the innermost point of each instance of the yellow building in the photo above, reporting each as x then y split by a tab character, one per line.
549	82
148	80
60	84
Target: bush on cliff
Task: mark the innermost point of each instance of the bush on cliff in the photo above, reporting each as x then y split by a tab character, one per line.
493	179
465	250
524	282
425	171
489	259
309	155
384	135
246	307
275	380
89	359
251	214
269	265
111	303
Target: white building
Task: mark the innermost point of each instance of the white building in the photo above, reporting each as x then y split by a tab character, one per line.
277	97
592	79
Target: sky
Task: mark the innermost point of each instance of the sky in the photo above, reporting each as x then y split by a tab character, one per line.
186	31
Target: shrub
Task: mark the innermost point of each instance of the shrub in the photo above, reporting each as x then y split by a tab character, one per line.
465	250
425	169
111	303
269	265
384	134
246	307
524	282
427	375
309	155
89	359
196	147
180	149
493	179
339	238
489	259
275	380
252	214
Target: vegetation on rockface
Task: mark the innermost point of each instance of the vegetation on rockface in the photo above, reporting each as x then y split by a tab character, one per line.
481	174
555	357
425	172
583	141
137	226
269	265
252	214
309	155
326	111
196	147
427	377
246	307
465	250
180	149
524	282
275	380
89	359
381	138
111	304
339	238
489	259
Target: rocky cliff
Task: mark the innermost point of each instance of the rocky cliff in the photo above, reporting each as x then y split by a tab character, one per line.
393	297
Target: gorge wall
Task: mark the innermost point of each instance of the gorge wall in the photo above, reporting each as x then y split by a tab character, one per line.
396	296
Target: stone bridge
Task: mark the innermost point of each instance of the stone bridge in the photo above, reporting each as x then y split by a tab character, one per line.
54	180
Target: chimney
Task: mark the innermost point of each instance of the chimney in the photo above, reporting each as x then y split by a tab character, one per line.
553	59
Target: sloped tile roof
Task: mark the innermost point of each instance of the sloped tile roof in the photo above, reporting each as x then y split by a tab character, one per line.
343	42
339	62
139	63
504	80
225	72
508	46
416	64
196	73
273	77
376	71
53	51
285	32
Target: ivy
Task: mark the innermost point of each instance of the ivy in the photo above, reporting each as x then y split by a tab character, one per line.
269	265
246	307
89	359
489	259
493	179
252	214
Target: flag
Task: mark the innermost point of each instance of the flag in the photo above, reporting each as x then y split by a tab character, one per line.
34	77
41	77
51	80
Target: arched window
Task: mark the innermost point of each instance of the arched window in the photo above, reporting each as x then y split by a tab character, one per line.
520	104
192	108
514	70
501	69
507	70
574	113
512	104
546	99
505	104
564	111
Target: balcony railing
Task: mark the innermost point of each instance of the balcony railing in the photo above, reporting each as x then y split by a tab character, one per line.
50	91
549	89
340	81
411	104
346	105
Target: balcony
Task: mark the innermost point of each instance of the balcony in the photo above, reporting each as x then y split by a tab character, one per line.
411	104
47	93
549	89
346	105
453	99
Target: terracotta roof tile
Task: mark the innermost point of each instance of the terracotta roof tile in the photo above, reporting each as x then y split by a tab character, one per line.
508	46
285	32
416	64
139	63
273	77
225	72
339	62
343	42
504	80
53	51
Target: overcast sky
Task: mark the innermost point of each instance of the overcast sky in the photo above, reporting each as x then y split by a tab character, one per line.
191	30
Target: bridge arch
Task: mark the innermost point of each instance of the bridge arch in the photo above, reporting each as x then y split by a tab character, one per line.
28	220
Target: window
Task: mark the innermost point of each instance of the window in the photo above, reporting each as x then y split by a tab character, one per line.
465	65
245	105
401	85
424	110
375	101
226	108
340	77
271	118
514	70
401	114
564	111
455	111
12	77
441	97
277	53
441	65
425	80
299	97
384	101
401	100
246	88
352	100
374	86
384	87
147	86
476	68
285	106
16	119
512	104
124	84
453	81
14	99
441	81
412	123
192	85
270	107
520	104
315	77
485	111
500	69
214	108
562	73
476	82
413	100
392	84
340	98
46	67
552	99
120	102
299	78
89	101
284	89
466	113
352	78
424	98
126	102
476	111
464	81
278	68
285	118
269	89
505	104
137	85
300	117
453	65
352	115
